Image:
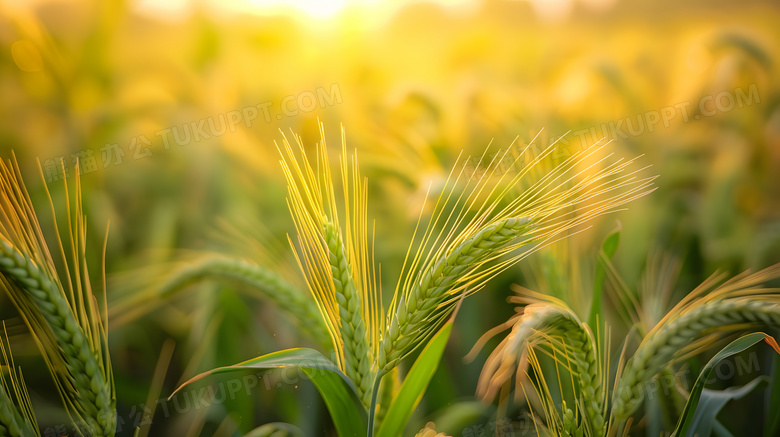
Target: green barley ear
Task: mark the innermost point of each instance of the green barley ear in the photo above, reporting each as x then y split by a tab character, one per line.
548	321
244	254
478	220
715	309
336	259
58	306
17	418
259	281
265	281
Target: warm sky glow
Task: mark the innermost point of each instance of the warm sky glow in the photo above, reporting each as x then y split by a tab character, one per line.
174	10
317	9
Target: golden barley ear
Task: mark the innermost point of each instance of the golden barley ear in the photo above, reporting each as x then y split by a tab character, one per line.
480	227
333	251
546	324
58	304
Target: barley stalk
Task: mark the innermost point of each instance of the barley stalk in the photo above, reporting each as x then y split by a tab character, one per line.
353	328
560	327
91	390
388	390
271	285
472	226
663	345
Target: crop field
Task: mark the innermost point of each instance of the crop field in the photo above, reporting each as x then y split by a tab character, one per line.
464	218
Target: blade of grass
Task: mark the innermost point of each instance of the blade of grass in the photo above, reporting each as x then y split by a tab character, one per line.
608	249
415	384
773	400
337	390
700	422
156	386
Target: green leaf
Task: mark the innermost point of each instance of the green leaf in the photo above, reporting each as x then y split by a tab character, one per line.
231	311
608	249
337	390
703	405
415	384
721	430
773	400
712	401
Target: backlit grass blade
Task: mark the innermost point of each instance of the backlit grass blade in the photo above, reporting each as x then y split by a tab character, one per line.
608	249
415	385
337	390
698	417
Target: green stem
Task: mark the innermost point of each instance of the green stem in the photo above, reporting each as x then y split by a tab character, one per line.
372	410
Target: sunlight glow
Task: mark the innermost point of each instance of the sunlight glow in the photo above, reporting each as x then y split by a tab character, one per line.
312	9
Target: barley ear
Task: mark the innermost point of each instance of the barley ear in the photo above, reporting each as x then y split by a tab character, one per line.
710	312
550	322
353	328
58	306
480	228
264	282
333	252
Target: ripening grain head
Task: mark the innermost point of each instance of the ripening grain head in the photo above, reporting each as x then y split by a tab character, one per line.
58	306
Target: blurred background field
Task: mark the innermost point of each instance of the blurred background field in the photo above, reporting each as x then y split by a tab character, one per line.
174	108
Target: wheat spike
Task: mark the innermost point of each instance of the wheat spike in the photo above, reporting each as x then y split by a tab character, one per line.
413	318
11	422
676	339
353	328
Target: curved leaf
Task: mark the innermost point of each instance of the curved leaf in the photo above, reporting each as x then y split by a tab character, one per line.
772	427
703	406
415	384
608	249
712	401
338	391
